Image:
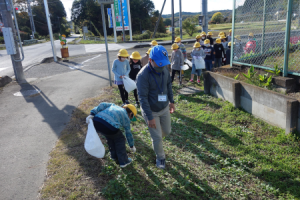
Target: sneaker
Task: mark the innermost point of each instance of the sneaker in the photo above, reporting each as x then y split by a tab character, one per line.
191	80
161	164
129	161
127	102
123	104
198	81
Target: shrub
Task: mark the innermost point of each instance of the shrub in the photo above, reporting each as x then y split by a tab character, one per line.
1	40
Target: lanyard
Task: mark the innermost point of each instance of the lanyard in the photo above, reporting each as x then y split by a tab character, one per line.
162	87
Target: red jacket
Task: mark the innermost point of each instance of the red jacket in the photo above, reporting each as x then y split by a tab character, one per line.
250	46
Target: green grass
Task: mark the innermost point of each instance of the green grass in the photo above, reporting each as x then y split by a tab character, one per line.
215	151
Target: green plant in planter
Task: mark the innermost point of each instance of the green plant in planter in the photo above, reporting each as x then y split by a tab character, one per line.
263	78
251	73
276	71
268	83
236	77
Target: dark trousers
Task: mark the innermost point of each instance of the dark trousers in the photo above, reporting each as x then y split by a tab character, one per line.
136	95
218	62
123	93
115	140
208	65
173	75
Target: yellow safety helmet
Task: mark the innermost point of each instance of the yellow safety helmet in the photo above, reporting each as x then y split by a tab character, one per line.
136	55
175	46
178	39
148	52
237	37
251	34
218	41
207	41
230	30
123	53
210	33
133	109
221	33
203	33
222	37
229	44
197	45
154	43
198	37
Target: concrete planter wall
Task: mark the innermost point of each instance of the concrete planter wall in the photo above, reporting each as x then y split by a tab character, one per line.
274	108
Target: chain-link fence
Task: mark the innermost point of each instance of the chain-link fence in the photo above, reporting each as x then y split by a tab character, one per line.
260	34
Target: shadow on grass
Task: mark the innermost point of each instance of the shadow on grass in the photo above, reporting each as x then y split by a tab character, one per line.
285	181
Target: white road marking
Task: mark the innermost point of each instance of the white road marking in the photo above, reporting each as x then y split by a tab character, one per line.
82	64
1	69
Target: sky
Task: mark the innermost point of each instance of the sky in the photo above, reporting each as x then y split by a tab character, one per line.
187	5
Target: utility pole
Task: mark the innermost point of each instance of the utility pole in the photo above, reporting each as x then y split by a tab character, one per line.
157	23
59	24
50	30
5	9
122	18
180	18
204	13
173	31
31	18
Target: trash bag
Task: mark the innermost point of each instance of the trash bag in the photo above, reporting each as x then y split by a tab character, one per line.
184	67
129	84
199	62
92	143
189	63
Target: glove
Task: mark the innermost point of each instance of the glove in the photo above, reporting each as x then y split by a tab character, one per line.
133	149
88	118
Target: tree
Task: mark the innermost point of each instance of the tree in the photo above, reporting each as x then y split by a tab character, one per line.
168	22
218	18
189	26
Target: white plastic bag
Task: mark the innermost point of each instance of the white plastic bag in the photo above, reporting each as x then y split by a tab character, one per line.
199	62
184	67
129	84
190	64
92	143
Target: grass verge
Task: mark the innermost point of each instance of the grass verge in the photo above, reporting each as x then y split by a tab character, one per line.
214	152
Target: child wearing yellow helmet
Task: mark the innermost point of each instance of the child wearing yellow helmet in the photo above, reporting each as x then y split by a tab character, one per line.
121	68
135	67
209	55
209	36
176	62
197	53
182	49
219	53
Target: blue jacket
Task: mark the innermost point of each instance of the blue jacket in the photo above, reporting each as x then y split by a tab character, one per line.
116	116
148	91
120	69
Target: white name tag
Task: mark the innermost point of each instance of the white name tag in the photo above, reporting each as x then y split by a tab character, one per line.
162	98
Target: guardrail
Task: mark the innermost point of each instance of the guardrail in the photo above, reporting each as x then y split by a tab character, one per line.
27	42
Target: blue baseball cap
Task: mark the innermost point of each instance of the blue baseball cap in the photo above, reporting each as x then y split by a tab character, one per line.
160	55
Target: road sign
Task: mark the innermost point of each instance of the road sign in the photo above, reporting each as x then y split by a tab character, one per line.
1	25
85	29
105	1
110	21
118	15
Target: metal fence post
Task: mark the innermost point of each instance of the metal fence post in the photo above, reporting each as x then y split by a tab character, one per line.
287	37
264	28
232	34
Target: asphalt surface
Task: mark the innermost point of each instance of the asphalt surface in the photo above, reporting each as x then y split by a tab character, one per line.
34	54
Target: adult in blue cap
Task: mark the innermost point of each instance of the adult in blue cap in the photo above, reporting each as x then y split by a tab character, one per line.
154	87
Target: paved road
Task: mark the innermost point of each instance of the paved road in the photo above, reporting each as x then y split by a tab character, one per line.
36	53
30	125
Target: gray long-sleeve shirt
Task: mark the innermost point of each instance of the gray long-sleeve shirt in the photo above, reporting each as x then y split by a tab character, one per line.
197	54
177	60
148	90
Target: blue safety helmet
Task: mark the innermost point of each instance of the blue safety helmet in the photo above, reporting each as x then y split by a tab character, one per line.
160	55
